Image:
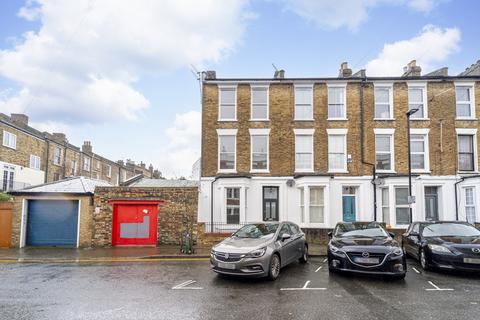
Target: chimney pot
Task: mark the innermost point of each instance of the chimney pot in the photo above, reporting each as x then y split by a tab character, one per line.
279	74
344	71
412	70
87	147
210	75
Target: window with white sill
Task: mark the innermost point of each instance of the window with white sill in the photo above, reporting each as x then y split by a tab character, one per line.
416	101
316	205
303	152
383	108
227	103
402	209
419	151
337	157
34	162
385	206
303	102
470	204
86	164
9	139
466	153
384	152
336	103
232	199
57	156
259	103
464	102
259	152
226	152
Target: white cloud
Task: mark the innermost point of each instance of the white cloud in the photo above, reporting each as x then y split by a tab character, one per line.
83	63
183	149
330	15
431	46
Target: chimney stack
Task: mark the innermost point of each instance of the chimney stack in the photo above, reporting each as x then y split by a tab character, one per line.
279	74
19	118
345	71
210	75
87	147
412	70
120	162
61	137
143	165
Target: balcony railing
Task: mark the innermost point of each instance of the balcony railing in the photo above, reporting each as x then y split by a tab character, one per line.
12	185
223	227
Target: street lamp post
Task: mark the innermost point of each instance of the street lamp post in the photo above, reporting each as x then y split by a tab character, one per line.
410	198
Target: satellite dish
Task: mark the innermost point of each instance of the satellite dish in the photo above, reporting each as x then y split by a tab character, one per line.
290	182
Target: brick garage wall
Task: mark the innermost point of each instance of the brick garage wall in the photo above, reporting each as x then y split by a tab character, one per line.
86	221
177	214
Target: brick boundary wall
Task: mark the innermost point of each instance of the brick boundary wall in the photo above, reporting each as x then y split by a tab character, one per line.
177	214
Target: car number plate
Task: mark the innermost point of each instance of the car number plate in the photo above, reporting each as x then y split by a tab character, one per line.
367	260
470	260
230	266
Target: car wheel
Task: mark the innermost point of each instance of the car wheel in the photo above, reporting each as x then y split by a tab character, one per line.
274	268
423	260
304	258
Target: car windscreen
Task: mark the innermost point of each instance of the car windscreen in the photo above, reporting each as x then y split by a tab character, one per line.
259	230
360	230
450	230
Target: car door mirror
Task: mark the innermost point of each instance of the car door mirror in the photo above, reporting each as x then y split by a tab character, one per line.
330	234
285	236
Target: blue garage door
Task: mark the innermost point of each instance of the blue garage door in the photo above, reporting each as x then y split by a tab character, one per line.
52	223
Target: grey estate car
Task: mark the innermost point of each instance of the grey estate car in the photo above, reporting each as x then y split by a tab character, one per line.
260	250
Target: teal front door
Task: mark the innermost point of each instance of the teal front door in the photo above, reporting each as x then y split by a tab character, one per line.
349	204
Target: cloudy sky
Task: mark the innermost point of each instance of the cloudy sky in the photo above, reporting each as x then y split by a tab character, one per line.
118	72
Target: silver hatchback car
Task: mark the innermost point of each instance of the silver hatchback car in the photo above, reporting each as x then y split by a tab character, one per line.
260	250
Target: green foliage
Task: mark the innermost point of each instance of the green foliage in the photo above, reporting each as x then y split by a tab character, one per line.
5	197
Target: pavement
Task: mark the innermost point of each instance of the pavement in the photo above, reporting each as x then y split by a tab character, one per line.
39	254
184	289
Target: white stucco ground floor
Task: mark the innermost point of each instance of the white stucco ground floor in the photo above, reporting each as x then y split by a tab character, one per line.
15	177
322	201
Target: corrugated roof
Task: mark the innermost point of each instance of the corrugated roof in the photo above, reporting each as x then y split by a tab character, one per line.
164	183
69	185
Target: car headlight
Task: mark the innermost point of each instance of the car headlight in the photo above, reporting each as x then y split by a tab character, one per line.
438	249
256	253
333	248
397	251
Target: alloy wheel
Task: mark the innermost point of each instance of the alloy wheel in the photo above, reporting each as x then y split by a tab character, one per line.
275	266
423	260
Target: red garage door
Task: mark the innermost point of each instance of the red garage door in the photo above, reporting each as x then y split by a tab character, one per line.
134	222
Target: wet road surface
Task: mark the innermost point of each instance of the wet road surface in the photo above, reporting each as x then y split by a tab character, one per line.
190	290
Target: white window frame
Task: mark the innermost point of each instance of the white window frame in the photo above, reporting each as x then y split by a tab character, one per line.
86	167
55	149
225	193
472	132
304	193
471	86
259	132
338	85
220	87
109	170
423	86
310	187
385	205
384	85
305	132
386	132
73	163
472	205
395	206
425	133
303	86
35	162
338	132
221	133
252	87
9	140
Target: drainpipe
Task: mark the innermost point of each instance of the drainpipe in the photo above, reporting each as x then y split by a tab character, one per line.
362	145
46	162
211	204
456	193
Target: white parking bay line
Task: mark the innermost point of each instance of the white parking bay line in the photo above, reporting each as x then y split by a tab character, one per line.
318	269
436	288
304	288
415	270
184	286
325	260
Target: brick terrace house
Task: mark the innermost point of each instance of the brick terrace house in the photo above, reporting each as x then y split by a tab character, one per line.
30	157
316	151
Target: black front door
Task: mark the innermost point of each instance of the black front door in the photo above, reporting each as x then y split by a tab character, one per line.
270	203
431	203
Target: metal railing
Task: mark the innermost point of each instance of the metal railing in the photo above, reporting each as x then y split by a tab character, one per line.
223	227
12	185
